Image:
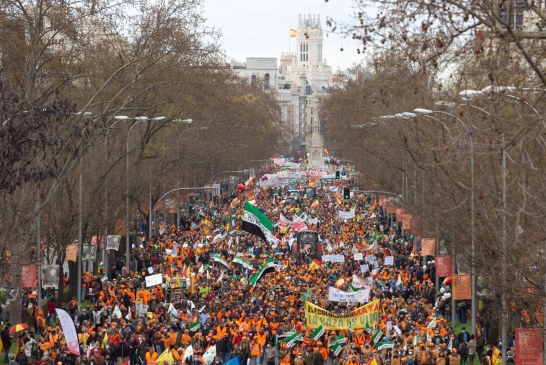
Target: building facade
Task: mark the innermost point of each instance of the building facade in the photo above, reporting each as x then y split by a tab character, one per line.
298	81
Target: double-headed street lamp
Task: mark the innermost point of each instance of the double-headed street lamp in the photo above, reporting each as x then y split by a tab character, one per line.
85	115
504	91
127	247
427	113
117	118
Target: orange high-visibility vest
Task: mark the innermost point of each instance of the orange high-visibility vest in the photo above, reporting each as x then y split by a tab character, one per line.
151	358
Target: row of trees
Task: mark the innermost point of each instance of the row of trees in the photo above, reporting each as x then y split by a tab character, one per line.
428	52
68	68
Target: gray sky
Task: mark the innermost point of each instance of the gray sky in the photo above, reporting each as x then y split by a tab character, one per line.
259	28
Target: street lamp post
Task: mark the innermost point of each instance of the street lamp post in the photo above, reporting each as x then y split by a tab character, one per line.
427	112
127	247
187	121
117	118
500	90
38	251
84	115
468	95
223	172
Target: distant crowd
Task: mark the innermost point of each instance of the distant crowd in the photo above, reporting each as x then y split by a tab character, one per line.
207	311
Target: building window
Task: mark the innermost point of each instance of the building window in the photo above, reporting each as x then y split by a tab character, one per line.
304	49
511	12
266	80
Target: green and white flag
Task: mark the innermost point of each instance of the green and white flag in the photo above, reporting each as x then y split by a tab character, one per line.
172	311
194	326
367	327
338	340
241	261
306	296
254	278
352	288
255	222
385	345
216	257
336	349
291	341
318	333
376	336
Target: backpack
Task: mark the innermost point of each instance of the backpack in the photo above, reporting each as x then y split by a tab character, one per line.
462	350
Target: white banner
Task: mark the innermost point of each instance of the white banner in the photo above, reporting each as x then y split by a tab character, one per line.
50	276
269	180
333	258
336	295
69	331
153	280
358	282
141	309
112	242
89	252
389	260
371	259
358	256
346	215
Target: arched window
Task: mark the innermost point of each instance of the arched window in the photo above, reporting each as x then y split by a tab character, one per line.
266	80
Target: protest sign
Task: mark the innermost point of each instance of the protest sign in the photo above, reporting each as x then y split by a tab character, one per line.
366	316
336	295
153	280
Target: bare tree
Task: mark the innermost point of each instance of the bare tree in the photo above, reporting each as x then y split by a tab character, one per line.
455	29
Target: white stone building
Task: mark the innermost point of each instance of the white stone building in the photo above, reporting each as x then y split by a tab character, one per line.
298	81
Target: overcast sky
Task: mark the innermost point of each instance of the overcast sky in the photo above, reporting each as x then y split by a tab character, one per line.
259	28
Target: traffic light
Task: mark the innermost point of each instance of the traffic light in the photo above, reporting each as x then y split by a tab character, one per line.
346	193
338	175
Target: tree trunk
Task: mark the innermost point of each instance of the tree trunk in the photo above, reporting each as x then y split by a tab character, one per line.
72	280
15	309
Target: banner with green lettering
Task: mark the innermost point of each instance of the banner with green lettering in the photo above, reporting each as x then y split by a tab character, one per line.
366	316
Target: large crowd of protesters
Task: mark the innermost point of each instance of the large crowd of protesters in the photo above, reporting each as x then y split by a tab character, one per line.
203	303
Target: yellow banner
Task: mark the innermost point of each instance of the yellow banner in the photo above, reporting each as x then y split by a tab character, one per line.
366	316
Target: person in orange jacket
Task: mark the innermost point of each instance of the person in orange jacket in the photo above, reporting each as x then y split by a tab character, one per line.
143	294
151	356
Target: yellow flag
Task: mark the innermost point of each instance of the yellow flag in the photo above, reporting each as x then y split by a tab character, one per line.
495	355
104	341
166	356
292	33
